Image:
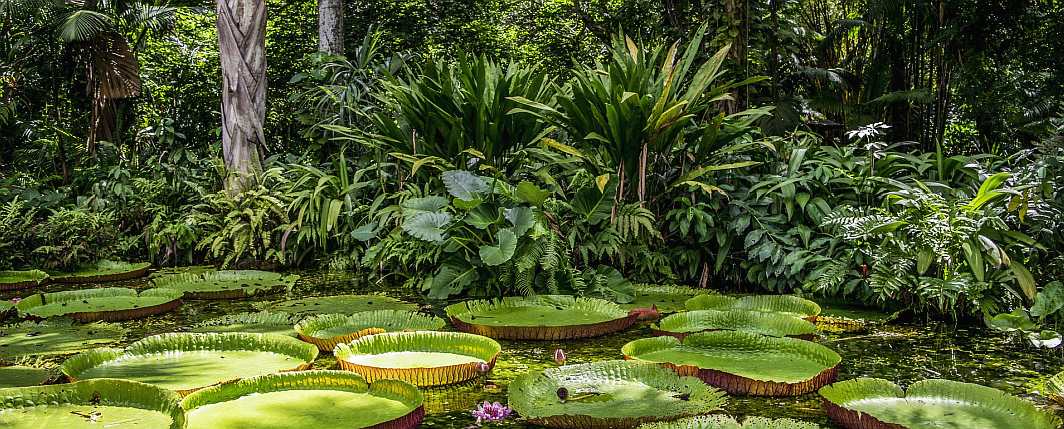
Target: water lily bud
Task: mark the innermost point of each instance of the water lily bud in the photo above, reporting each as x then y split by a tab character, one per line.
559	356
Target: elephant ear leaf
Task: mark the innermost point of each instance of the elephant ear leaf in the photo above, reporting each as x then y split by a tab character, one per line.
427	226
464	185
414	206
522	219
595	205
531	194
502	251
1049	300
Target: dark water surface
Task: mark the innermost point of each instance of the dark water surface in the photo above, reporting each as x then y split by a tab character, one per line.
902	353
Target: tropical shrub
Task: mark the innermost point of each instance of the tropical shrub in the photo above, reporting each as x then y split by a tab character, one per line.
247	228
70	237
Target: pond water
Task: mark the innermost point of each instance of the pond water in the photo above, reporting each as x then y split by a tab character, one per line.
902	353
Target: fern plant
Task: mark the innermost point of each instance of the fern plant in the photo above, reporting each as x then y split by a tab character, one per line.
252	226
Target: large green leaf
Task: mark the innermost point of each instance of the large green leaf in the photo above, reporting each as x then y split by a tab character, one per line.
10	280
1049	300
522	218
413	206
227	284
464	185
112	404
338	304
451	279
594	206
502	251
23	376
936	403
55	338
666	298
787	304
185	362
327	330
351	400
110	304
428	226
751	356
423	358
264	322
529	193
758	322
609	394
103	271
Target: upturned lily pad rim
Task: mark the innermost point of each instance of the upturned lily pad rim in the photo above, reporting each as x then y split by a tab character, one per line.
720	421
614	318
836	397
209	285
534	395
103	271
476	346
805	308
362	324
771	324
396	390
108	391
17	280
75	366
828	359
165	300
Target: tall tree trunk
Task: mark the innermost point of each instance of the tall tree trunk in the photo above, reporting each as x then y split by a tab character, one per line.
331	26
242	45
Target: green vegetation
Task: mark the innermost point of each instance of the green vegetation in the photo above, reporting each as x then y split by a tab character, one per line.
771	186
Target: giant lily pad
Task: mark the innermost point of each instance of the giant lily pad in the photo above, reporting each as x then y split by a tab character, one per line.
227	284
103	271
543	317
423	358
340	304
328	330
609	394
107	304
718	421
787	304
666	298
309	399
741	362
14	280
111	404
23	376
186	362
263	322
759	322
55	338
872	403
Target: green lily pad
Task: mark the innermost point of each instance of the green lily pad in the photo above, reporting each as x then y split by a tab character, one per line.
666	298
328	330
541	317
23	376
743	363
191	269
609	394
423	358
757	322
111	404
105	304
55	338
787	304
339	304
186	362
309	399
868	403
227	284
263	322
15	280
103	271
718	421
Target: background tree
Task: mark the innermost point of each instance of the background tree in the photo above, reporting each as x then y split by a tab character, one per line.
242	47
331	26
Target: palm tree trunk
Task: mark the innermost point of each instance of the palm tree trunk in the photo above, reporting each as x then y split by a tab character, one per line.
331	26
242	46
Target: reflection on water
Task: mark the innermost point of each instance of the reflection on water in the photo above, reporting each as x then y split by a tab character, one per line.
903	354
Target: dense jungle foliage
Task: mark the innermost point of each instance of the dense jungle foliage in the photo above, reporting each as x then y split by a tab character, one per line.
908	155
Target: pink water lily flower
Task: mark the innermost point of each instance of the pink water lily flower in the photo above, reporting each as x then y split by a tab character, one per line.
491	412
559	356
